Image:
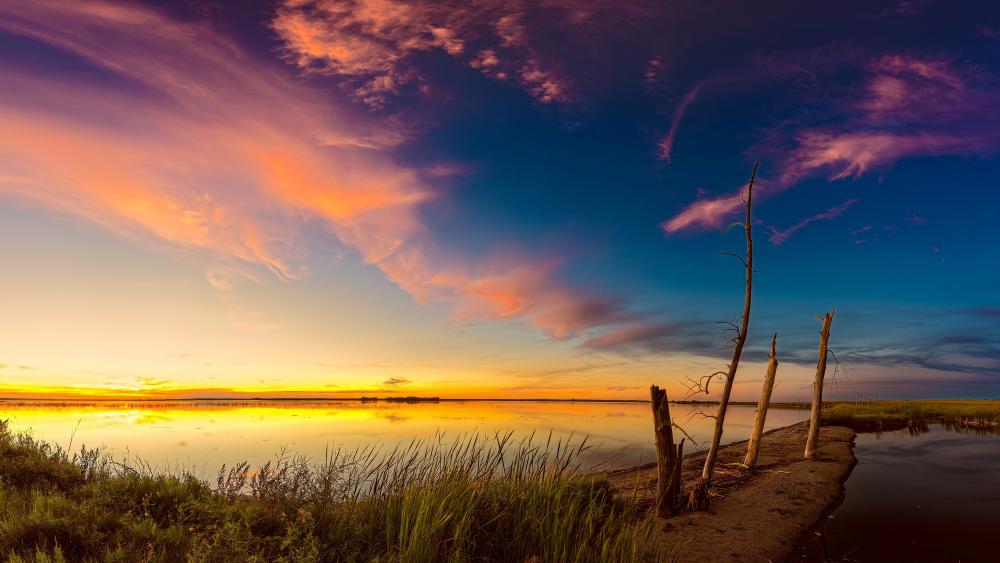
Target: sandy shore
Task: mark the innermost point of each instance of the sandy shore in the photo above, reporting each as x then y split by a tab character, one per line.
760	514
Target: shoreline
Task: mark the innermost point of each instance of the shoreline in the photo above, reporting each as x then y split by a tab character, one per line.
810	544
760	514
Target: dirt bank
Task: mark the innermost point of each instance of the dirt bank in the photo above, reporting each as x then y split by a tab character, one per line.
759	514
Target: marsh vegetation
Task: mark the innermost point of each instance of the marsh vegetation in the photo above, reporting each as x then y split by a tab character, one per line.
879	416
483	498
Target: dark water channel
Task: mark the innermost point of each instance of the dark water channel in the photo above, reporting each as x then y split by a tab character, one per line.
923	496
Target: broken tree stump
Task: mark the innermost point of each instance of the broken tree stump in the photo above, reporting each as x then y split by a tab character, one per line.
753	447
668	457
817	405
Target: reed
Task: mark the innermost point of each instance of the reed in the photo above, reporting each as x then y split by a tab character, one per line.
483	498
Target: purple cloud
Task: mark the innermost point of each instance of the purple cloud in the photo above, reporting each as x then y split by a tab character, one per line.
666	144
906	107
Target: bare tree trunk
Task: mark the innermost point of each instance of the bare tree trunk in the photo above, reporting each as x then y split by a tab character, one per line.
824	338
698	499
668	456
753	448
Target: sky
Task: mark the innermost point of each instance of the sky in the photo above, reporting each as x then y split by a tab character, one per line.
336	198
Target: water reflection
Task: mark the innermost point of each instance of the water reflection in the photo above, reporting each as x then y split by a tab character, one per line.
929	493
202	436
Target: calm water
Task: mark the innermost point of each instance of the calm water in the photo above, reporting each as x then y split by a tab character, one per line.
202	437
929	497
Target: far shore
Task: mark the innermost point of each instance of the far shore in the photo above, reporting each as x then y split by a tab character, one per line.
148	400
418	399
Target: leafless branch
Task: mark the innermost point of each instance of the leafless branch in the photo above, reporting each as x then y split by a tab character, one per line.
685	433
736	256
729	324
701	384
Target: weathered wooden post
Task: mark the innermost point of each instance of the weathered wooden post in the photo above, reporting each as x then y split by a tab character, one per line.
753	448
668	456
817	406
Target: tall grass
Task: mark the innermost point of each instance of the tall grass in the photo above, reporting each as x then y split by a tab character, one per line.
476	498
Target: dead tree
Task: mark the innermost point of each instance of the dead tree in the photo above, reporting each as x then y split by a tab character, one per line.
817	405
668	456
698	499
753	448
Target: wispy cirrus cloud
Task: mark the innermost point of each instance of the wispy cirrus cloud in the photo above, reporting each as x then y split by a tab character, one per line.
371	46
705	213
907	106
197	144
189	157
779	236
666	144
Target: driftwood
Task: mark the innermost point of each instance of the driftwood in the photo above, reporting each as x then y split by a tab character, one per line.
817	404
698	499
753	447
669	458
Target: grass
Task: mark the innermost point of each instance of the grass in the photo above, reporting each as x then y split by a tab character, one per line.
475	499
874	416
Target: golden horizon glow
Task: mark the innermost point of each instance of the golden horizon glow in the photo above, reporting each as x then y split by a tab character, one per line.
588	384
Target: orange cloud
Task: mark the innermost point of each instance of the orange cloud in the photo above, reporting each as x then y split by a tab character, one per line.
369	44
193	157
195	143
710	212
530	292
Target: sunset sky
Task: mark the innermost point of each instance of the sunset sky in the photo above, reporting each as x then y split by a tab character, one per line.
495	198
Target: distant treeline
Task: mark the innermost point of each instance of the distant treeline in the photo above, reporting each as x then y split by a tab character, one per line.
400	399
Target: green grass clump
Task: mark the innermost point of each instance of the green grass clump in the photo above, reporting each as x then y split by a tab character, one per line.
481	499
875	416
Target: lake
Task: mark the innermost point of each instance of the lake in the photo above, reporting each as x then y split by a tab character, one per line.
926	496
202	436
931	496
